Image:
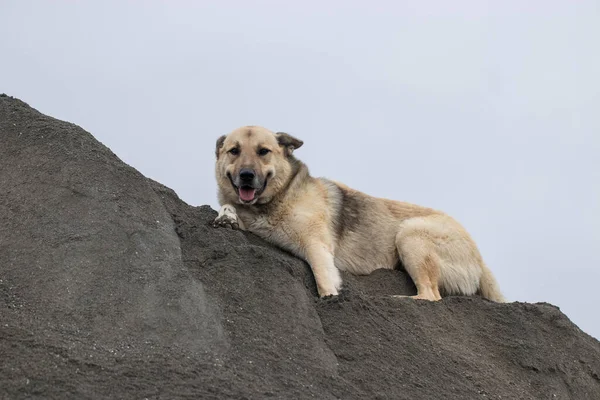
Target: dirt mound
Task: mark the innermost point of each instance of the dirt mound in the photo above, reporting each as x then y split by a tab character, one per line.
112	287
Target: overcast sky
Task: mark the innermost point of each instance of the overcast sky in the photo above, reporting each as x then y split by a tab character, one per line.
489	111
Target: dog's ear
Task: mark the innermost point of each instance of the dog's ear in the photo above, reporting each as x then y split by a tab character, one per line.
288	142
220	142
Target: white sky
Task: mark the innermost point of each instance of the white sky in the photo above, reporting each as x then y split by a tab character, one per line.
487	110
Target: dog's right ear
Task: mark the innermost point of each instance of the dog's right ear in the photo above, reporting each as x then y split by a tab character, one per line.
220	142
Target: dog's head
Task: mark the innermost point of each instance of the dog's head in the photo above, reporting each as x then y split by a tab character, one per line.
254	164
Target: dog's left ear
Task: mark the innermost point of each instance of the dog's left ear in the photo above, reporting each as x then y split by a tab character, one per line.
220	142
289	142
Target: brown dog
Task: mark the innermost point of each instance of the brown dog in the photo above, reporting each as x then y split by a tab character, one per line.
264	189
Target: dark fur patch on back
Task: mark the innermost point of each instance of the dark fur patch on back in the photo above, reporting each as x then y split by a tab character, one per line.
350	212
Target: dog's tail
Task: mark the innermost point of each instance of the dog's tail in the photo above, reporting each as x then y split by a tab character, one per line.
489	287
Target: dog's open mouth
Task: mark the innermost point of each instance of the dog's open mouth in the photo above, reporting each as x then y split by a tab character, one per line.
247	193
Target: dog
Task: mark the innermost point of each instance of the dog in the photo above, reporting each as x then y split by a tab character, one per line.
264	189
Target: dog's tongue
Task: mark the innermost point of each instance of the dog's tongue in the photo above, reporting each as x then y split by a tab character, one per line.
247	194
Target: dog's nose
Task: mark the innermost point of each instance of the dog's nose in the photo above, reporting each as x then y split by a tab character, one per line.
247	175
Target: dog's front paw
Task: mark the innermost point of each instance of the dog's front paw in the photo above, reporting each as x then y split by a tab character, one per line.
327	292
329	299
226	221
341	297
227	218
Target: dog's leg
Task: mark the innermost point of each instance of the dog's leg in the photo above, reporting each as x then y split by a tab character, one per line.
327	276
422	264
228	218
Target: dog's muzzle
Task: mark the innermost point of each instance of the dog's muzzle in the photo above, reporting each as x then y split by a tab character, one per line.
247	185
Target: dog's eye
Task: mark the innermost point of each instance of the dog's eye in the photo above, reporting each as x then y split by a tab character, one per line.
263	152
235	151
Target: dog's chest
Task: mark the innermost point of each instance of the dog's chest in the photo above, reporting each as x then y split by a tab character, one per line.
273	231
259	225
